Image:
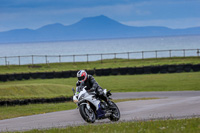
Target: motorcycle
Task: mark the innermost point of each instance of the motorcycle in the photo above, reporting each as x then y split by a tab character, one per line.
92	108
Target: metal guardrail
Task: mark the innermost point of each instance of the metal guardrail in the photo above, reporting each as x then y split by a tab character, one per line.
103	72
46	59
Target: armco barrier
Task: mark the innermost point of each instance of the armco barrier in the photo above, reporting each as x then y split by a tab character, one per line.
114	71
131	70
73	73
155	69
35	101
49	75
58	75
172	68
11	77
187	67
104	72
196	68
66	74
34	75
164	69
139	70
18	76
147	70
98	72
3	78
123	71
180	68
91	72
26	76
42	75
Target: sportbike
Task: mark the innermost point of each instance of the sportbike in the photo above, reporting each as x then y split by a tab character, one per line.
92	108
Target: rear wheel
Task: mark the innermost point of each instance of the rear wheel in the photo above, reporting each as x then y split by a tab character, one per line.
87	114
115	116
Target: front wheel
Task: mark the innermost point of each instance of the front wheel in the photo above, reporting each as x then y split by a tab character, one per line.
115	116
87	114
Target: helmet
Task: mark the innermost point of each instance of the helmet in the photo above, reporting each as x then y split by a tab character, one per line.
81	75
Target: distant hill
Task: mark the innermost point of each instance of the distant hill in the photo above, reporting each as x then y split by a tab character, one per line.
99	27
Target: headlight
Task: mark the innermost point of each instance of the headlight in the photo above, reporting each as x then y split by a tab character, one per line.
81	97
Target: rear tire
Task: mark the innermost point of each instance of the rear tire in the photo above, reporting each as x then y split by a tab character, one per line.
87	115
115	116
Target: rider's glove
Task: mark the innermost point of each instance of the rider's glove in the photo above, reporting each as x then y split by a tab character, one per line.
75	98
92	89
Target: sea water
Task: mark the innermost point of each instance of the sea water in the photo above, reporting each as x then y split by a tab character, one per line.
76	51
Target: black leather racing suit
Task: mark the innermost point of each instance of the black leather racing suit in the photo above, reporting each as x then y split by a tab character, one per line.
92	85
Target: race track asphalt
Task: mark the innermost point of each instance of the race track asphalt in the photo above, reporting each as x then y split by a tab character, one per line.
173	104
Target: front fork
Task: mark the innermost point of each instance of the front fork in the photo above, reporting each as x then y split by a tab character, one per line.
88	106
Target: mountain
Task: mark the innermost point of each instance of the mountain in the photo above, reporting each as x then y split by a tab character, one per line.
99	27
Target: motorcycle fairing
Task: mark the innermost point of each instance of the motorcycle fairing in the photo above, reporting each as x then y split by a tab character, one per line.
89	97
100	112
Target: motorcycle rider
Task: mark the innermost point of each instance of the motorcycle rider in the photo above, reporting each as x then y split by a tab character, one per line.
85	79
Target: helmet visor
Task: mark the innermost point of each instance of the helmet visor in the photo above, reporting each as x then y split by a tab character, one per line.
81	78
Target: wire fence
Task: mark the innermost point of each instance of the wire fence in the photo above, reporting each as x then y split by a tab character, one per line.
46	59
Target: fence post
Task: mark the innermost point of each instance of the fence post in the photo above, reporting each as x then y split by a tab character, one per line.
73	58
128	55
156	54
170	53
115	55
46	59
5	60
101	58
142	54
19	60
60	58
32	60
198	52
87	58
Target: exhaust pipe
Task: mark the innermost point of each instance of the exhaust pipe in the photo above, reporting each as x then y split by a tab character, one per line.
107	114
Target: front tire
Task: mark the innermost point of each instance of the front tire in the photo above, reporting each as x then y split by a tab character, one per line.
115	116
87	114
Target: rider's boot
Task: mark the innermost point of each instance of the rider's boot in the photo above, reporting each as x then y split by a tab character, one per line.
105	98
109	102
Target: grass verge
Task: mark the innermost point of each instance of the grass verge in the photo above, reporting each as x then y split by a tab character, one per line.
111	63
49	88
158	126
33	109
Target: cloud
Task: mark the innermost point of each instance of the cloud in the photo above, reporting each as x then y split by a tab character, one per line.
170	23
36	13
60	3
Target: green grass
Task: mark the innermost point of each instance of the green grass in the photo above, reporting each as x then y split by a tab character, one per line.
25	91
159	126
152	82
112	63
7	112
47	88
36	88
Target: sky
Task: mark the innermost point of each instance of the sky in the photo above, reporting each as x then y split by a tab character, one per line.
33	14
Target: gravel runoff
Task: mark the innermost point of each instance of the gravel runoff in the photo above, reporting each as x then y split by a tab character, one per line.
179	104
